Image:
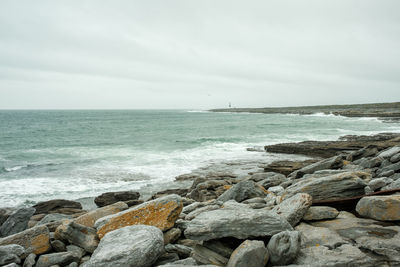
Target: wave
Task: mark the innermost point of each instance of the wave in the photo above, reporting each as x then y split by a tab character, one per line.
321	114
198	111
25	166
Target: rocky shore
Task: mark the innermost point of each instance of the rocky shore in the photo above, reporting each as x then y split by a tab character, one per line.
384	111
339	207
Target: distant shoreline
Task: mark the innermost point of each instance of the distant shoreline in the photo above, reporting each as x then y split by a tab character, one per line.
384	111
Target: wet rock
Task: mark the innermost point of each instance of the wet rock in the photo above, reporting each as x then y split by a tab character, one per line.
251	253
172	235
11	254
30	261
34	240
16	222
242	191
138	245
53	206
284	247
113	197
77	234
341	185
161	212
330	163
91	217
238	222
60	258
318	213
384	208
294	208
204	255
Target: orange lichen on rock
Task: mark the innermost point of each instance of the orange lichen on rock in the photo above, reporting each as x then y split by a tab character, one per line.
40	244
161	213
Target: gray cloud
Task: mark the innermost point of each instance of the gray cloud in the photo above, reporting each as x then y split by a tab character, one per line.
197	54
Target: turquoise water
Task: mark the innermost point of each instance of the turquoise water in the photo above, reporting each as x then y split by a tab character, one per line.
73	154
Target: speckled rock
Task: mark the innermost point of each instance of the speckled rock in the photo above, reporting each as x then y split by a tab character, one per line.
161	212
383	208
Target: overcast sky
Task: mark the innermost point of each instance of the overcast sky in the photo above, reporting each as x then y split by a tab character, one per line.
197	54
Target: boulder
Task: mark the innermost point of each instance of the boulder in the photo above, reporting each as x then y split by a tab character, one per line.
395	167
312	236
331	187
58	245
251	253
395	158
113	197
318	213
77	234
56	204
383	208
236	221
138	245
388	153
379	183
53	220
161	212
172	235
287	167
330	163
242	191
11	254
16	222
166	258
204	255
30	261
294	208
284	247
182	250
60	259
271	181
4	214
91	217
77	250
34	240
196	212
220	247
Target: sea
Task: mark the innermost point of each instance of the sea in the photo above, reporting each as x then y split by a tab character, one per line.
76	154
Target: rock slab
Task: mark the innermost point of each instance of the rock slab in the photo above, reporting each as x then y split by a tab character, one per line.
383	208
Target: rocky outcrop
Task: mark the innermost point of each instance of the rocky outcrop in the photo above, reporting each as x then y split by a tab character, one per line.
251	253
238	222
137	245
113	197
383	208
34	240
161	212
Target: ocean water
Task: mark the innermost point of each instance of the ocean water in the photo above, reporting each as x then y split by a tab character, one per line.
75	154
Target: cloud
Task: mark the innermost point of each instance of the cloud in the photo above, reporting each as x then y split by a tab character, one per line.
197	54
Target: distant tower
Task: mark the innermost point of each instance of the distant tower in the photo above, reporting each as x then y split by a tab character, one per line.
230	105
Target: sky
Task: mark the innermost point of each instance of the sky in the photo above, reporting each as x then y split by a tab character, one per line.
186	54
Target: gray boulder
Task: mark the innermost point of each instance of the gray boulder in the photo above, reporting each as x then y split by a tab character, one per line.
30	261
17	221
182	250
383	208
60	258
274	180
379	183
395	167
395	158
393	185
341	185
54	217
11	254
330	163
284	247
388	153
138	245
4	214
242	191
294	208
318	213
56	204
77	234
196	212
235	221
251	253
204	255
113	197
369	162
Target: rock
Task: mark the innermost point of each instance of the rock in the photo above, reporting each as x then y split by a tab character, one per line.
286	167
369	162
251	253
312	236
172	235
56	204
205	190
342	185
161	212
365	152
254	200
386	173
73	264
238	222
242	191
276	189
58	246
395	167
11	254
204	255
113	197
54	217
388	153
379	183
77	250
30	261
395	158
383	208
284	247
60	258
132	203
34	240
77	234
196	212
271	181
181	250
11	265
294	208
16	222
318	213
138	245
4	214
330	163
393	185
177	191
185	262
166	258
91	217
